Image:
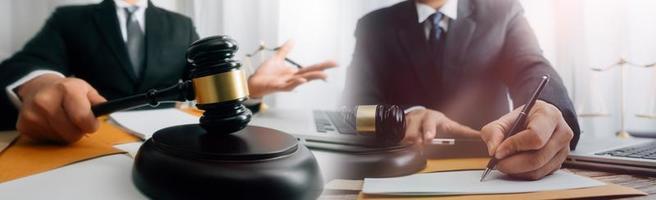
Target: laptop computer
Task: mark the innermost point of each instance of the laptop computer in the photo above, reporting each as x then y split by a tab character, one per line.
628	155
311	125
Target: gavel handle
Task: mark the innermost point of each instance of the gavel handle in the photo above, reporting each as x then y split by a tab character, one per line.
178	92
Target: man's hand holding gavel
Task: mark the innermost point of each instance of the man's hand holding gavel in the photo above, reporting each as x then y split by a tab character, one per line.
57	109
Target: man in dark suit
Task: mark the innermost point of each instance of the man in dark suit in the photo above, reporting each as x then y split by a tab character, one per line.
87	54
455	61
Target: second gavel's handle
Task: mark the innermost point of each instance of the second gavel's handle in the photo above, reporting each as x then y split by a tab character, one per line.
178	92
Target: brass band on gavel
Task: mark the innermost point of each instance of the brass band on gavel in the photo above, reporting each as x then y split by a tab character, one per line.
222	87
365	118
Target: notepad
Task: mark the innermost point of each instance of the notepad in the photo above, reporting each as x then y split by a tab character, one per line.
107	177
144	123
467	182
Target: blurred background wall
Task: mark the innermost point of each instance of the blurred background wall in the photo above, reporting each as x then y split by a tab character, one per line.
576	35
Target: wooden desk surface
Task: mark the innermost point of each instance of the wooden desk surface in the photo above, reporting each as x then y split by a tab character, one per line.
643	183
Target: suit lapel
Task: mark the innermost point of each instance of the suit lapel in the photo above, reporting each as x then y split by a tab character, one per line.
154	30
413	40
457	41
107	23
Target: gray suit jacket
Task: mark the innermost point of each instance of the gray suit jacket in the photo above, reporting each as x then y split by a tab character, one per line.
490	51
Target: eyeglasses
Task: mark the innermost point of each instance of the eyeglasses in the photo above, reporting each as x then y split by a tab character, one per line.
263	47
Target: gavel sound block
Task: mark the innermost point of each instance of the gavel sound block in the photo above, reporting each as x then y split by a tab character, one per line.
222	157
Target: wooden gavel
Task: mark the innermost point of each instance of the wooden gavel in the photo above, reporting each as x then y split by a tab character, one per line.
217	84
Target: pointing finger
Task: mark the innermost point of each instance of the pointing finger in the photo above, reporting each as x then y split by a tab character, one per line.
314	75
429	126
455	128
319	66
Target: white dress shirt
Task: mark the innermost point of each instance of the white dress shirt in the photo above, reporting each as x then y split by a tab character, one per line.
140	15
449	10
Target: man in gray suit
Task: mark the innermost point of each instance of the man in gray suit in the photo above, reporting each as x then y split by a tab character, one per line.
453	62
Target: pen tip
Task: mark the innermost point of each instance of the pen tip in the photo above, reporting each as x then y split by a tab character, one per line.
487	171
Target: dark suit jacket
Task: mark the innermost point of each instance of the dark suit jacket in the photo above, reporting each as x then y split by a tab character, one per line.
490	50
85	42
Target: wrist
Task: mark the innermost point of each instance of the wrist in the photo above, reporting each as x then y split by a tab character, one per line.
254	90
254	93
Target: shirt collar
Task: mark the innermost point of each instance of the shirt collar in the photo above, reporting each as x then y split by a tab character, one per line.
141	4
449	9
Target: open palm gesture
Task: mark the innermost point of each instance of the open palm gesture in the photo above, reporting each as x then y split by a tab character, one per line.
275	75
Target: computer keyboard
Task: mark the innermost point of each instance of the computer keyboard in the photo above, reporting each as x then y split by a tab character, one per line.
331	121
645	151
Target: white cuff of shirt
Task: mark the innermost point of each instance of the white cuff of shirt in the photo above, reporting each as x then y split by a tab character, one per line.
413	108
10	89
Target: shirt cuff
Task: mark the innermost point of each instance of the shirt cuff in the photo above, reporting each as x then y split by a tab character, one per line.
413	108
11	94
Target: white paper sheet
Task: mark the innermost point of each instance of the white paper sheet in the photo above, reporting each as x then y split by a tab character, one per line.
6	138
132	148
144	123
107	177
467	182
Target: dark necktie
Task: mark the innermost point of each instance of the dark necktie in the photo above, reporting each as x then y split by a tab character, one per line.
436	42
436	33
135	41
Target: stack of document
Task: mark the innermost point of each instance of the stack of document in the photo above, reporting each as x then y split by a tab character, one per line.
144	123
467	183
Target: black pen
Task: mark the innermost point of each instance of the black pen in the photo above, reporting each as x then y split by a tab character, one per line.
519	123
290	61
262	47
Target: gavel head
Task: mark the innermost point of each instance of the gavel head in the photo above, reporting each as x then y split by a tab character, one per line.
219	84
386	123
